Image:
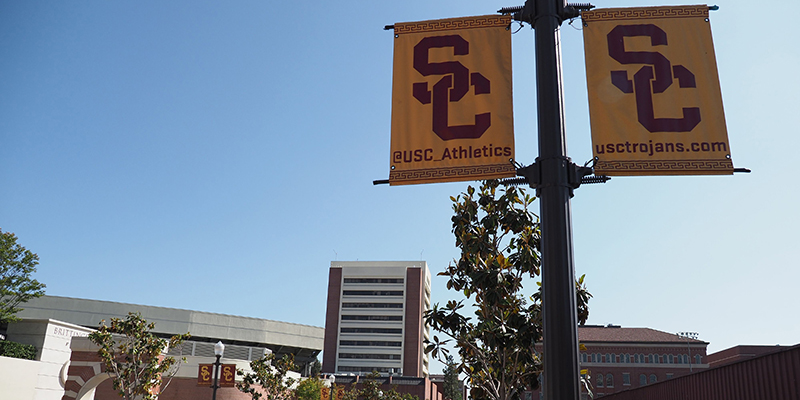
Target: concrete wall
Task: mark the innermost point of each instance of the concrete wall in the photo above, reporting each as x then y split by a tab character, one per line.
18	378
52	340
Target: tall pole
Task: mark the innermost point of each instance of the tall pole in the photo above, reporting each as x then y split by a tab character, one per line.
560	342
216	377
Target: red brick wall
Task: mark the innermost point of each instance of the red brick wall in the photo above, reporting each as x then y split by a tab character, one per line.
412	340
332	320
178	389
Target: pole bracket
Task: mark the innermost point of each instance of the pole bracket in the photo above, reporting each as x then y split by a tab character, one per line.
527	12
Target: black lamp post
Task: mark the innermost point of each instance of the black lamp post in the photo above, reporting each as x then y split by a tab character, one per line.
219	348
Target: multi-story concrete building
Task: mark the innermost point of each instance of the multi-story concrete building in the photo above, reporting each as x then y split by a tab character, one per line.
374	318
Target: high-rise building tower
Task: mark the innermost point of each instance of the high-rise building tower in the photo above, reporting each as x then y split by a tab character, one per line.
374	318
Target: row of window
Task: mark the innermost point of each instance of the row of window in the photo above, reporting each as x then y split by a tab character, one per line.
640	358
360	356
372	330
372	305
607	380
372	317
373	280
369	369
372	292
371	343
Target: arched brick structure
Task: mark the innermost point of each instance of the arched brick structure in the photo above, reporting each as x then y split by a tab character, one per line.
85	370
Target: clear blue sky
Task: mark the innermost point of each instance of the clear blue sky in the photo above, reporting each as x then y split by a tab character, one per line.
217	156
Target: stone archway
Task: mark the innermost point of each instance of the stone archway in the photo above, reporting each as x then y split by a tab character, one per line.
87	391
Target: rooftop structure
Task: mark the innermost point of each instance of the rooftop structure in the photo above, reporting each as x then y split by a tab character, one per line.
247	337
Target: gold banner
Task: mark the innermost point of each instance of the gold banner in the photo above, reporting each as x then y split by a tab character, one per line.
654	96
452	116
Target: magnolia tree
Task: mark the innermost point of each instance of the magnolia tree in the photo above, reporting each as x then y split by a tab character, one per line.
269	378
16	285
371	390
499	239
135	358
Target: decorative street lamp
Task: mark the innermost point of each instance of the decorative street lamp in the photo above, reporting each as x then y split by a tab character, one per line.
219	348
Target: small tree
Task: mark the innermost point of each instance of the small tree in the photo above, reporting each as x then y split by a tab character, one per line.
135	356
309	389
499	240
316	368
452	387
16	285
272	374
371	390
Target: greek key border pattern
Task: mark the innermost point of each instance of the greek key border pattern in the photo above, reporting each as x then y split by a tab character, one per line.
665	167
485	21
609	14
474	172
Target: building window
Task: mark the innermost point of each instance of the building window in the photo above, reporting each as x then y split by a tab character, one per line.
609	380
652	359
373	280
670	375
367	369
626	378
372	317
358	356
583	357
372	292
371	343
372	305
642	380
372	330
600	380
671	359
609	358
653	378
698	359
626	358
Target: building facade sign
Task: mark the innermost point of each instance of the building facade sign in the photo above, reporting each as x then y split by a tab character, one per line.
452	116
654	95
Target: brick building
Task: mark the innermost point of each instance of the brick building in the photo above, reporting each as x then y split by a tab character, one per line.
770	375
618	358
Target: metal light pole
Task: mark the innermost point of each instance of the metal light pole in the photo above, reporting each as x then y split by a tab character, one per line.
219	349
554	176
559	310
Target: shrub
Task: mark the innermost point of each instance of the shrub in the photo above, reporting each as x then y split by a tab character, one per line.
17	350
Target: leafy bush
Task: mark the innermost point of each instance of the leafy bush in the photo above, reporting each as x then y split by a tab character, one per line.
17	350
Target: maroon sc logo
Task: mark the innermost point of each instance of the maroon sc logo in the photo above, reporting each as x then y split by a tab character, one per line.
655	62
450	88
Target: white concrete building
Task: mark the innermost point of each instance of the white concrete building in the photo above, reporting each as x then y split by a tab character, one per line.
374	318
